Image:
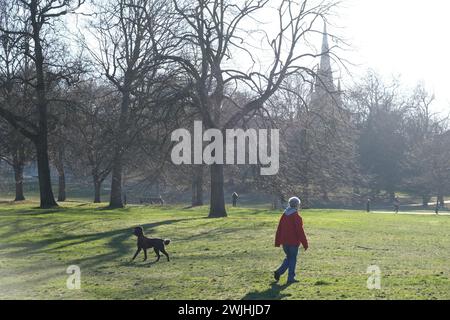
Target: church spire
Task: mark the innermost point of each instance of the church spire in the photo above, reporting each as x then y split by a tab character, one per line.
325	73
324	86
325	63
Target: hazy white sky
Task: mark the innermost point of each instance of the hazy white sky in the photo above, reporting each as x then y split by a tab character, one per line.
410	38
405	38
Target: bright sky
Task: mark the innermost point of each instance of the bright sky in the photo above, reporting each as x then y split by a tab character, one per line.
405	38
410	38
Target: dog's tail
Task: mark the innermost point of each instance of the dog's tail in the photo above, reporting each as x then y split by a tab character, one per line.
167	242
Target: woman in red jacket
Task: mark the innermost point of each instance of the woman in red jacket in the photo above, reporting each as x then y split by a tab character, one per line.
290	235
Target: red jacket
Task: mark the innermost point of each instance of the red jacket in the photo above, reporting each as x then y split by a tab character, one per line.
290	231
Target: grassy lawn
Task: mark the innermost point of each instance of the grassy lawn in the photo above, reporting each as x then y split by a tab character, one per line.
231	258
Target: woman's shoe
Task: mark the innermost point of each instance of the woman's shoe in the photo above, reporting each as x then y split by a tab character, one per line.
276	276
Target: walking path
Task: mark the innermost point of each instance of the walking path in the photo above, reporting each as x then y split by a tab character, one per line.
431	204
426	213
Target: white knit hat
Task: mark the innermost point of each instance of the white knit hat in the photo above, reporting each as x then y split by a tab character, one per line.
294	202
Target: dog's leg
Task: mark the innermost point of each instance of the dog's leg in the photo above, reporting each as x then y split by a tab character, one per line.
145	254
135	255
158	256
166	254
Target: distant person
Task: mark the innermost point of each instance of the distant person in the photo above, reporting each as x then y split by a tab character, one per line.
368	205
396	205
290	235
234	198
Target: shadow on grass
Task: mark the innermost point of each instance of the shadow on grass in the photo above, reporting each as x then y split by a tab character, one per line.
214	231
138	263
116	241
117	251
35	211
83	208
272	293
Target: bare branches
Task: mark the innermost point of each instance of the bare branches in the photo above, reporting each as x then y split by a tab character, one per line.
213	37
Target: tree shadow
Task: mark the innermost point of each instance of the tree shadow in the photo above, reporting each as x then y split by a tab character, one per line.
36	211
16	227
272	293
116	240
32	212
61	247
118	252
85	204
206	234
138	263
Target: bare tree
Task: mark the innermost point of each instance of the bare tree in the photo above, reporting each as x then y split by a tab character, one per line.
28	28
197	186
57	153
426	159
90	132
216	39
125	33
16	151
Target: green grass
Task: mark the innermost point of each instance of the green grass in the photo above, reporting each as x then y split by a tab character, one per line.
230	258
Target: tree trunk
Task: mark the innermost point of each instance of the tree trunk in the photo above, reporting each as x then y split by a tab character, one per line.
197	186
305	193
116	200
441	201
217	205
40	140
97	196
97	189
305	177
62	187
18	178
45	184
325	197
275	202
116	183
425	200
305	198
59	164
